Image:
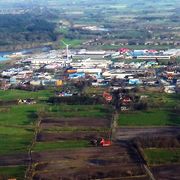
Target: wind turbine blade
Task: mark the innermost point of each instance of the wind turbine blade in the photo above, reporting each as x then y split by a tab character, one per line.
64	42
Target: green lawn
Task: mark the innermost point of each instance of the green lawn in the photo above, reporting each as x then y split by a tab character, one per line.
154	117
20	94
12	172
70	144
162	156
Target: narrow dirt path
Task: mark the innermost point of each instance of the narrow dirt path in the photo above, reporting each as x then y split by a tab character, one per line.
29	171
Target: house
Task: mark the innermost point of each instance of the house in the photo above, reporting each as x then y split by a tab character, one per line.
126	100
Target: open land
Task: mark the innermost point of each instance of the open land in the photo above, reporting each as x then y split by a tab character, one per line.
119	83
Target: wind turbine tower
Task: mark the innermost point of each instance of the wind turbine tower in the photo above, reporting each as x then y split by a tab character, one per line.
67	51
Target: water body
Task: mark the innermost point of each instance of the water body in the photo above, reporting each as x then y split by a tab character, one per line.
2	56
24	51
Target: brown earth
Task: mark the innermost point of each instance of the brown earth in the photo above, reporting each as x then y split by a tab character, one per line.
128	133
64	135
116	161
76	122
167	172
11	160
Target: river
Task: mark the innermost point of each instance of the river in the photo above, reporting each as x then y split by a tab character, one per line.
23	51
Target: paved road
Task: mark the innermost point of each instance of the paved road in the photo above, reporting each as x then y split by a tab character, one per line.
127	133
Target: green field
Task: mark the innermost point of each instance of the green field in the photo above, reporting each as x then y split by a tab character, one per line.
115	47
19	115
20	94
160	112
97	111
70	144
162	100
15	140
77	129
154	117
62	110
16	128
17	122
94	90
155	156
73	43
12	172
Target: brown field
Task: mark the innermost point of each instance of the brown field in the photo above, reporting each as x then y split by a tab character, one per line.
85	129
46	136
117	161
76	122
167	172
11	160
128	133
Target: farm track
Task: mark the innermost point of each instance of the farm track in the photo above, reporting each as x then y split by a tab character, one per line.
30	169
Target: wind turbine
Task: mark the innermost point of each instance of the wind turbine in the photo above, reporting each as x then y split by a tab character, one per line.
67	51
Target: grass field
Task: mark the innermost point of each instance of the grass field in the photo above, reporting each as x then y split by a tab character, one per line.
16	128
162	100
14	140
20	94
94	90
21	115
152	117
79	111
115	47
70	144
72	43
76	129
155	156
62	110
12	172
160	113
